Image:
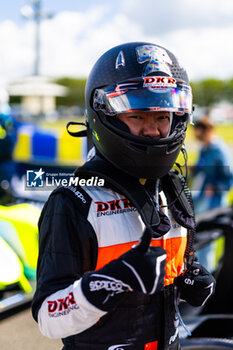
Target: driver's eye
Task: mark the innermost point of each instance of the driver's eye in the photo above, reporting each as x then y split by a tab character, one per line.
164	117
135	117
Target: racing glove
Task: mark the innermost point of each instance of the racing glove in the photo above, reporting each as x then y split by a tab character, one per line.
135	270
196	284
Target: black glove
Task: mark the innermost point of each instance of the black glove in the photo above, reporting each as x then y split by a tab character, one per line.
196	284
135	270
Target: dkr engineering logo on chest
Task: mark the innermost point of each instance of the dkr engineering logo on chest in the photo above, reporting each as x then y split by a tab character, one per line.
114	207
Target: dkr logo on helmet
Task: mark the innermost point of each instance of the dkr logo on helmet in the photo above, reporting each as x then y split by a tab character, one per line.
157	58
159	82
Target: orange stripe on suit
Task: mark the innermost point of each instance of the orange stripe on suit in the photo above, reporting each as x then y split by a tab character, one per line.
175	248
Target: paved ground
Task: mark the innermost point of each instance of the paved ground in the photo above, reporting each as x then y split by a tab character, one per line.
20	332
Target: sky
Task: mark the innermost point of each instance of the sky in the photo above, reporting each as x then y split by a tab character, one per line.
198	32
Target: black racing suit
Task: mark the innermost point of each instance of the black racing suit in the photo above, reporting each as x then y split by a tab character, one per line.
81	229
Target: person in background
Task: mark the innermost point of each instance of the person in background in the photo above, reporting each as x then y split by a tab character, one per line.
8	137
213	171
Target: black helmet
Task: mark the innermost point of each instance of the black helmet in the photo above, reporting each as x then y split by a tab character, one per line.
132	77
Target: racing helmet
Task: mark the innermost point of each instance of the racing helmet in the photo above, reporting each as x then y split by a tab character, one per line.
134	77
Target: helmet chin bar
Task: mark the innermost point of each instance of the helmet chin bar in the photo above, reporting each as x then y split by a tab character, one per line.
139	157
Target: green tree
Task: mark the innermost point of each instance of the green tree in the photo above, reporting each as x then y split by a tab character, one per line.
206	92
209	91
228	93
76	88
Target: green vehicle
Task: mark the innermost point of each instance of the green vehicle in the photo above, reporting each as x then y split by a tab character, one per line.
18	253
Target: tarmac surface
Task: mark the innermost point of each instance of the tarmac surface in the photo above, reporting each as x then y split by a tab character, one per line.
21	332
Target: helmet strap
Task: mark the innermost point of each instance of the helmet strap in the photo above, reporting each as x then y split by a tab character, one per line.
81	133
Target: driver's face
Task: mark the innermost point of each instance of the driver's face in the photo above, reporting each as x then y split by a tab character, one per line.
155	125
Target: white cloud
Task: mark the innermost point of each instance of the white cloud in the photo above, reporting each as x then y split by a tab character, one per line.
15	49
165	16
84	38
204	52
73	41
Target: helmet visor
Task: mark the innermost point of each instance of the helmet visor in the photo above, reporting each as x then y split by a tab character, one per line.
144	94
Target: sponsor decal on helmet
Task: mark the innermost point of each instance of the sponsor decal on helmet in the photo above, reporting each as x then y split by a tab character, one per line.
159	82
120	61
157	58
94	133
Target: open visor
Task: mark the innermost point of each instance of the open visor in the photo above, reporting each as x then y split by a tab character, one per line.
144	94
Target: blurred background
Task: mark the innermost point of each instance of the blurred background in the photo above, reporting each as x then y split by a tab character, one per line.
47	50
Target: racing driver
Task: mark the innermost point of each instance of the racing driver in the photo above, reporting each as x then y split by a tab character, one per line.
113	259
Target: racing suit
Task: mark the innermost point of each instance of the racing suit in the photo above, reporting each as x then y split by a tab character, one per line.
82	229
